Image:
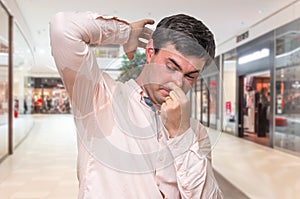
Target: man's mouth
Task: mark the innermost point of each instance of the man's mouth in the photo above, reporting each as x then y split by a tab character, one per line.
165	90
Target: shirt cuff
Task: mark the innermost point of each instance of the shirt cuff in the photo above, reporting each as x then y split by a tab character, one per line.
124	28
181	144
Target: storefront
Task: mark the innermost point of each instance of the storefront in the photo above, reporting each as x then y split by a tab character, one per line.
265	106
287	89
48	96
4	84
16	58
205	96
228	107
255	63
22	62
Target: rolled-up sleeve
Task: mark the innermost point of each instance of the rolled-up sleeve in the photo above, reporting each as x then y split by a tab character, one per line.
72	34
192	154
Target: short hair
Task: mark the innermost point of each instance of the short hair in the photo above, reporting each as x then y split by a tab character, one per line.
189	36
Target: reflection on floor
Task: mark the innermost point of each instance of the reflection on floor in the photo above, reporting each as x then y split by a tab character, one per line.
259	140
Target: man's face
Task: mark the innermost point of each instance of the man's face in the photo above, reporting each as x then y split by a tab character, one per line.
169	66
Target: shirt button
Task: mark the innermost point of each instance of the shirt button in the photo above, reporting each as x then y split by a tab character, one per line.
161	158
158	184
160	136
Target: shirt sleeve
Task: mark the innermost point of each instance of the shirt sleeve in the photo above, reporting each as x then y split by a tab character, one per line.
72	34
192	153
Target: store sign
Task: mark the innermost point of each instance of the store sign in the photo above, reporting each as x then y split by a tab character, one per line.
242	37
265	52
228	107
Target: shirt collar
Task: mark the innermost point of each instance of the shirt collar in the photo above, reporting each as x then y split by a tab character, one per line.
135	86
143	95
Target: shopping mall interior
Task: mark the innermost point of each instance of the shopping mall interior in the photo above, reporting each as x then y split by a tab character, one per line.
248	99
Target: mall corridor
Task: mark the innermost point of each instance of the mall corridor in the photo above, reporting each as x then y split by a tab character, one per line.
248	97
44	166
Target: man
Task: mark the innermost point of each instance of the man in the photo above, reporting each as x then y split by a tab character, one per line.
136	139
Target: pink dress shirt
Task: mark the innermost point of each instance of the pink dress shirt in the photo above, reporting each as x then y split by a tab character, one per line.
123	148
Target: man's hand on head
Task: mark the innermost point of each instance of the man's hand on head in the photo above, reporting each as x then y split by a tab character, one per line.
138	30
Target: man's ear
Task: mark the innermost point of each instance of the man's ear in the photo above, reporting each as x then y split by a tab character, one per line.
149	51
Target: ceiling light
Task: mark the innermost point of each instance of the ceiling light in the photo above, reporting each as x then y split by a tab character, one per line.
265	52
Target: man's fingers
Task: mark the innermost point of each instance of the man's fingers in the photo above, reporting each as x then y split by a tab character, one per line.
163	109
179	92
141	24
142	44
147	32
147	21
130	55
138	31
168	100
144	37
173	95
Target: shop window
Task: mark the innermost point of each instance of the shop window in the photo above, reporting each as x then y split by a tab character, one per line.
22	62
229	92
4	94
287	88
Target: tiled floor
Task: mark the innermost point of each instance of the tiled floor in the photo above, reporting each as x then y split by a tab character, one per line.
44	166
258	171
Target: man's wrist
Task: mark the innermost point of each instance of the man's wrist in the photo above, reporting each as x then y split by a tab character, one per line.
181	143
178	132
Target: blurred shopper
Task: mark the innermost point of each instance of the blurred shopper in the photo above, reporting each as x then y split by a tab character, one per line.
49	103
262	104
16	108
25	106
136	139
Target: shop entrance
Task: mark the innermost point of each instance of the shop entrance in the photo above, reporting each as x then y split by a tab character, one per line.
255	107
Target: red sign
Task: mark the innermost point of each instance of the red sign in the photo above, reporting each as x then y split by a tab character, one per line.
228	107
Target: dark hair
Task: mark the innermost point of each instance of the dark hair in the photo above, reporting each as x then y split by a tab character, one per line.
189	36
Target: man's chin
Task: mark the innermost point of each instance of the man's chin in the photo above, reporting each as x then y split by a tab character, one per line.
161	99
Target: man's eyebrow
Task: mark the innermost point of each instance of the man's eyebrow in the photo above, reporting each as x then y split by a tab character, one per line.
175	63
180	68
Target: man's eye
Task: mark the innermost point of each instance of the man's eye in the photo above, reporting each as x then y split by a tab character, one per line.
170	68
190	76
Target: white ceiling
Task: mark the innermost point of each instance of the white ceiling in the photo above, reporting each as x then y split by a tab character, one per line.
226	18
